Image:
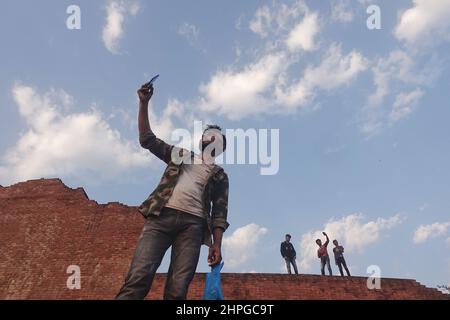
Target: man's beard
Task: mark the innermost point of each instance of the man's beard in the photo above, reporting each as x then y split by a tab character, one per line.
206	144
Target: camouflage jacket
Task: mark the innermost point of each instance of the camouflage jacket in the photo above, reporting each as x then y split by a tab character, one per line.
216	191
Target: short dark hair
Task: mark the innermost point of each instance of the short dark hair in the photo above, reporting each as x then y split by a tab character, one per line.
318	240
288	235
212	126
216	127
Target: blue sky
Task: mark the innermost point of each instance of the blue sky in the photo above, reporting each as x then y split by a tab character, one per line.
363	116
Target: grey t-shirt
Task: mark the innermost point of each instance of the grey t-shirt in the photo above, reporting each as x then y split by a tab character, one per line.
187	194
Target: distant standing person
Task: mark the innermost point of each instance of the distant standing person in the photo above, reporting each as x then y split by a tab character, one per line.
339	257
288	253
322	253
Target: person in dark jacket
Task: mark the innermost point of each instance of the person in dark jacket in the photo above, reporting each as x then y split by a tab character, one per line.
288	253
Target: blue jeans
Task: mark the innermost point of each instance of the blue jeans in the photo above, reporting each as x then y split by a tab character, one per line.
325	261
290	261
184	232
340	261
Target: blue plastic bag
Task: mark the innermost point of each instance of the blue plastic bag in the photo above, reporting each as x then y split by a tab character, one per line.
213	288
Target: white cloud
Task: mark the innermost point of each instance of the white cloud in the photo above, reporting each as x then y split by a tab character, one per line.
264	87
424	21
116	12
261	22
164	124
240	93
424	232
277	18
302	36
61	143
397	68
404	104
333	149
272	83
341	11
281	20
241	244
350	231
267	85
334	71
190	32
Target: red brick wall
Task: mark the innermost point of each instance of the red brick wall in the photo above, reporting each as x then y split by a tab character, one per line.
46	226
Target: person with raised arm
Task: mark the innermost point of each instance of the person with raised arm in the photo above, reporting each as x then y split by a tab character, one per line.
322	254
188	208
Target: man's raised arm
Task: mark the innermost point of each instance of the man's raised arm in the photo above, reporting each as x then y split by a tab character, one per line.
147	138
328	240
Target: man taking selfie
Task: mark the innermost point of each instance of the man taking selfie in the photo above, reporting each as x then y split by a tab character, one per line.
322	254
187	209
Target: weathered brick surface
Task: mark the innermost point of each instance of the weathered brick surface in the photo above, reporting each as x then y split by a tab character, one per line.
46	226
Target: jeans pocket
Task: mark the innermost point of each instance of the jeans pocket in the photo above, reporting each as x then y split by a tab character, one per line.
150	221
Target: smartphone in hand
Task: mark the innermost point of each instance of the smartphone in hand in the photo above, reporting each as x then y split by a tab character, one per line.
150	83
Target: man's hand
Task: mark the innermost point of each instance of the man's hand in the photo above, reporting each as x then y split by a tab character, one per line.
215	255
324	233
145	93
